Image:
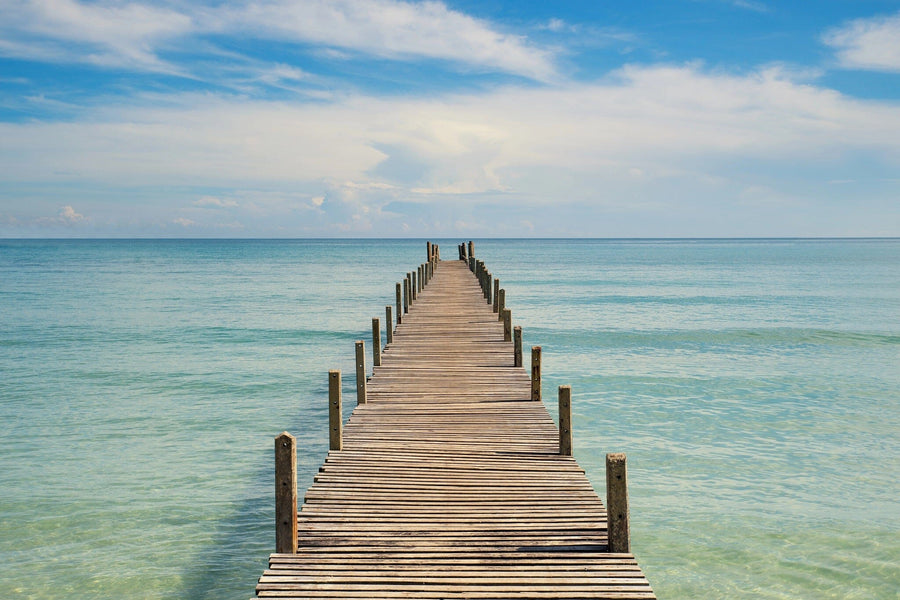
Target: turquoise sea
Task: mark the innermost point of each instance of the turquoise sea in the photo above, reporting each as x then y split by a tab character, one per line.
754	385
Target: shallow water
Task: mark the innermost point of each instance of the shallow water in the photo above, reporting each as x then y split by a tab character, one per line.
753	385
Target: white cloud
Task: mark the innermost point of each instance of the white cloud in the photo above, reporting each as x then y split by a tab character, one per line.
68	215
109	34
872	44
135	34
648	136
184	222
213	202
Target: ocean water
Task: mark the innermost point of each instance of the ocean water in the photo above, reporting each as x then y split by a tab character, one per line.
753	384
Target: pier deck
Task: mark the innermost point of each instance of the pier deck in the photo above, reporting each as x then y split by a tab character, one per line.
450	483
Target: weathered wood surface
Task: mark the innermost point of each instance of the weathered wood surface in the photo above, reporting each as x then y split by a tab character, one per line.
450	483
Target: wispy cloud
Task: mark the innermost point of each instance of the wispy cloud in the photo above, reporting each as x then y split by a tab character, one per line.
870	44
119	34
139	35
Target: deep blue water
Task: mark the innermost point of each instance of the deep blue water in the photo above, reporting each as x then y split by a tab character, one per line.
754	385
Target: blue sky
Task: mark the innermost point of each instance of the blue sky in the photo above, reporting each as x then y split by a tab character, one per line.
282	118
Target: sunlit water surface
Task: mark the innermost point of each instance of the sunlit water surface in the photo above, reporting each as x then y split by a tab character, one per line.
754	386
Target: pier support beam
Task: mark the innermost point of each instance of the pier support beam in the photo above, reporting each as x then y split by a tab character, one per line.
507	325
517	346
335	424
406	296
536	373
617	503
496	295
376	342
389	324
285	494
399	306
565	420
360	372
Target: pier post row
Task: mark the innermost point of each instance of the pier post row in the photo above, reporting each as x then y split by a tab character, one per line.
450	478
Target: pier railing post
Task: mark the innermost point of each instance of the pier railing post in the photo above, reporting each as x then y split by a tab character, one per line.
360	372
517	346
399	298
507	325
428	250
413	286
406	294
536	373
335	425
488	293
389	324
285	494
376	342
618	529
471	248
565	420
501	303
496	295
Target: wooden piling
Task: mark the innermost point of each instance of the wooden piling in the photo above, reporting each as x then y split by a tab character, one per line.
471	248
565	420
517	346
285	494
376	342
389	324
490	287
501	304
406	298
399	297
618	529
536	373
360	372
507	325
413	287
496	295
335	424
428	250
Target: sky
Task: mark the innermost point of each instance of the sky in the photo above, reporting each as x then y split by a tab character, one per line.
495	118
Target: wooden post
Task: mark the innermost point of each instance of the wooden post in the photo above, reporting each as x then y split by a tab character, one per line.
421	277
376	342
360	372
462	252
507	325
565	420
490	285
517	346
412	286
428	250
471	248
285	494
335	425
399	296
496	294
618	529
406	298
536	373
501	304
389	324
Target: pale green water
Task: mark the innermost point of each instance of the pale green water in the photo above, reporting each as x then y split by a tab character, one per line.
753	384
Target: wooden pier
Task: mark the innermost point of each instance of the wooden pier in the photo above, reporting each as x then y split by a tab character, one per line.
450	479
